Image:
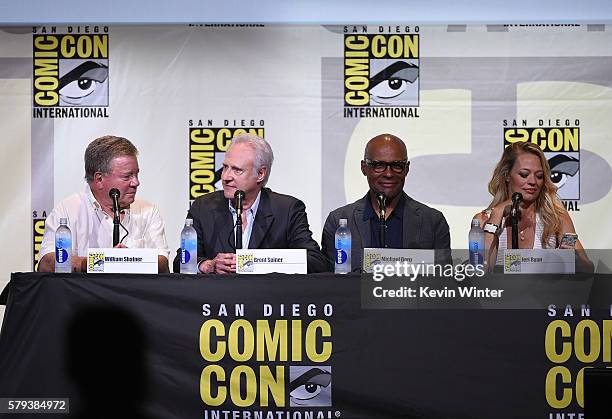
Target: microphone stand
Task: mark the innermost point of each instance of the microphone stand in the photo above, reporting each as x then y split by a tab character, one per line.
514	215
114	194
238	229
383	228
116	223
514	220
381	199
238	200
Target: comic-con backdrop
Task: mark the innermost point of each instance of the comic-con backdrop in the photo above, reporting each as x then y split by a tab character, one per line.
456	95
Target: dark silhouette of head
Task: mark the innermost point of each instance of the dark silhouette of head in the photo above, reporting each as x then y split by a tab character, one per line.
106	360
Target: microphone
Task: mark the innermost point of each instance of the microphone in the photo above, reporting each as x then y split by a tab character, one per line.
238	200
381	198
517	197
114	196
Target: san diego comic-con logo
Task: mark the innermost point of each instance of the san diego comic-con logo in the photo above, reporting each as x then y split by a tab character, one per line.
277	357
560	142
38	231
381	71
512	262
245	263
575	340
70	72
95	262
208	142
371	260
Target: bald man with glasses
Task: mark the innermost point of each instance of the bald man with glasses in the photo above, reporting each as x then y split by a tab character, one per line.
409	224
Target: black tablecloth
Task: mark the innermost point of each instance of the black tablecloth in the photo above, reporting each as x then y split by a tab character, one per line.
468	363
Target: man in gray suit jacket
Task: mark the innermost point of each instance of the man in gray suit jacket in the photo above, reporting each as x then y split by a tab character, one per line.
409	224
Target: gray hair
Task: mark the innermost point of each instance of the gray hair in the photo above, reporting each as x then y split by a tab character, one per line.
101	151
263	152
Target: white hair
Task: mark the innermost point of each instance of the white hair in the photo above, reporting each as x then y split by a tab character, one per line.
263	152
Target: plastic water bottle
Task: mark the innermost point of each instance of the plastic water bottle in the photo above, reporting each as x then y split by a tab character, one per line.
343	248
63	247
477	243
189	248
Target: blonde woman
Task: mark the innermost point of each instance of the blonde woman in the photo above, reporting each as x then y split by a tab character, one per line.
542	218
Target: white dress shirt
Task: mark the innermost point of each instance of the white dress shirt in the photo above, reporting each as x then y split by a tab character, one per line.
91	227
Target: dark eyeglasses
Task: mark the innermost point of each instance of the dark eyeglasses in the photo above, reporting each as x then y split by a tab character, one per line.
378	166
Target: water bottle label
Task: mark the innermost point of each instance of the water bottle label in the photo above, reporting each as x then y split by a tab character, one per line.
476	259
476	256
340	256
61	255
185	256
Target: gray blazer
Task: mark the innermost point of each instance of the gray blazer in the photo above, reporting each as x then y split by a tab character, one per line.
424	228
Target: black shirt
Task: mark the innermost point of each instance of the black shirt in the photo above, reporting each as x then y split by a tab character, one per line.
395	225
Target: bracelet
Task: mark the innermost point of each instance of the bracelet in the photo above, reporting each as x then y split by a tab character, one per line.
491	228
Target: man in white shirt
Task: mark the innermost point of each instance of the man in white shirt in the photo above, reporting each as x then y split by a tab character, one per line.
110	162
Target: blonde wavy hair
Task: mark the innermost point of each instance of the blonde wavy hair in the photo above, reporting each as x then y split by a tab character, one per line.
547	203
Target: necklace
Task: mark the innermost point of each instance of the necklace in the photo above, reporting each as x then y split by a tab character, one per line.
522	232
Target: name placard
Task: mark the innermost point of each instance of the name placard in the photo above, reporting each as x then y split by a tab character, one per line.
123	260
265	261
385	256
536	261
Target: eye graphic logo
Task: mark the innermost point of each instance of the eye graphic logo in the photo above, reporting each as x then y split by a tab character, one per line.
310	386
70	70
83	83
564	172
393	83
381	70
